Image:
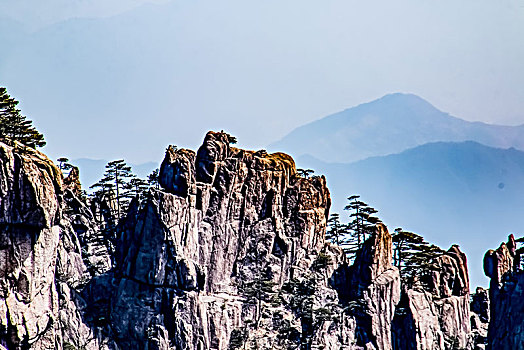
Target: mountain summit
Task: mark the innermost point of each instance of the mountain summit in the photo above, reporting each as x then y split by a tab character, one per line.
391	124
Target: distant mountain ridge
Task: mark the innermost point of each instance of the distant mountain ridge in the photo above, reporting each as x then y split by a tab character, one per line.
464	193
391	124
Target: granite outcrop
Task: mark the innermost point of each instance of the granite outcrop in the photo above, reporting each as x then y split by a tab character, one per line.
229	253
506	290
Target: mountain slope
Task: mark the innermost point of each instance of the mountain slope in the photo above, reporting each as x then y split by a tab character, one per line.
464	193
391	124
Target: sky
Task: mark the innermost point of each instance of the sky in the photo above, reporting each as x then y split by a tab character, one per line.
127	78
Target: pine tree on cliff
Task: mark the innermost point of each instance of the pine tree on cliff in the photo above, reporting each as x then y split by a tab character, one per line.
362	223
405	245
412	255
116	180
137	187
258	289
336	230
64	165
153	179
14	127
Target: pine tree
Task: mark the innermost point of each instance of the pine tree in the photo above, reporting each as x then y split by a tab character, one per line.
412	254
153	179
362	223
14	127
116	179
137	187
63	164
305	173
405	244
336	230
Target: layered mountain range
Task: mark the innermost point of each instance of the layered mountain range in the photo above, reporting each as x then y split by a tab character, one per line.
230	253
391	124
451	180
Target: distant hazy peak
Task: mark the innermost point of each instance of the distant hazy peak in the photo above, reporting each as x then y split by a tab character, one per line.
390	124
395	102
402	98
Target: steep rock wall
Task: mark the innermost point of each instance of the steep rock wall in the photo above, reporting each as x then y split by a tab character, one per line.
376	281
41	265
506	294
225	216
230	253
434	312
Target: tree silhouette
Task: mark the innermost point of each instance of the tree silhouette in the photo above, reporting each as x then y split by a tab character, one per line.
336	230
63	164
362	222
137	187
14	127
405	244
412	254
153	179
305	173
116	179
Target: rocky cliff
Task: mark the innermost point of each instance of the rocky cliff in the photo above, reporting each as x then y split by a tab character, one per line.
434	312
41	265
230	253
506	292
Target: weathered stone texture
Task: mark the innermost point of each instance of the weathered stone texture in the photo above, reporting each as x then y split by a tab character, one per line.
506	327
40	255
434	313
225	215
175	273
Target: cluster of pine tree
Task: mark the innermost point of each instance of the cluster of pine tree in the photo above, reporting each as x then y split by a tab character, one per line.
14	127
112	197
412	255
121	185
352	235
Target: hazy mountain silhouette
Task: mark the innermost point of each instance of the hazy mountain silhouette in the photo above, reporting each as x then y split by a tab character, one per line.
464	193
391	124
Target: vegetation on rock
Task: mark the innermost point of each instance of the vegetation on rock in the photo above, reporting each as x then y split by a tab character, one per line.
14	127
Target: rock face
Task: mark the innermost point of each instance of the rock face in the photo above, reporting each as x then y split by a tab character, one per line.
40	255
505	295
30	225
229	254
226	216
480	316
376	281
434	312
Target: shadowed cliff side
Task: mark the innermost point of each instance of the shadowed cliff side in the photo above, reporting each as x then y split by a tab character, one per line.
506	293
434	312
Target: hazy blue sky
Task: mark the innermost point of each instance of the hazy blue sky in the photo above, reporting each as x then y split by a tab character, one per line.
162	72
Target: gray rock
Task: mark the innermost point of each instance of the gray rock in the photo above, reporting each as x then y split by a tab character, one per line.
227	216
41	261
229	254
505	295
434	313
